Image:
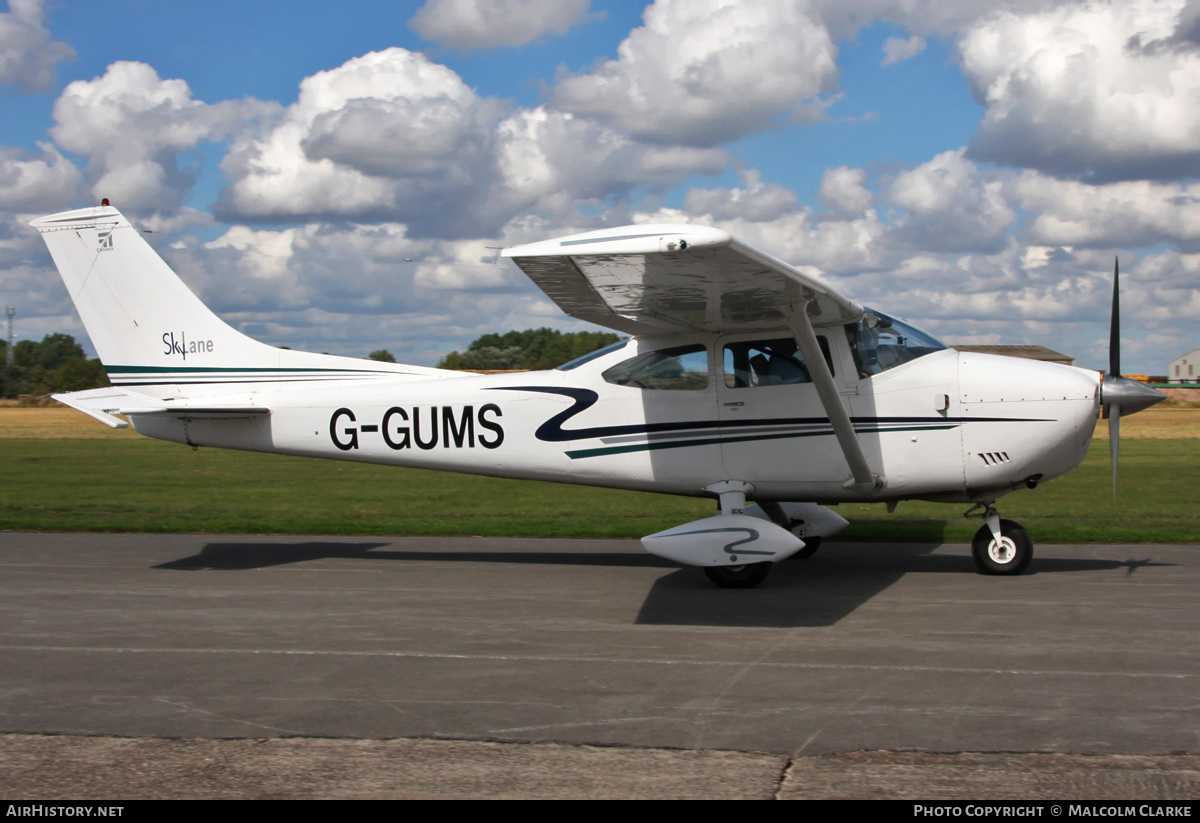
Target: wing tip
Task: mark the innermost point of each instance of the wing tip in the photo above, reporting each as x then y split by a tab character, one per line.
647	238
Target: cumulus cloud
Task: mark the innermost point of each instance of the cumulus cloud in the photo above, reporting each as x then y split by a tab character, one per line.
756	201
1185	36
842	191
483	24
27	283
36	184
1067	94
702	72
1187	28
389	134
1127	214
845	18
132	125
553	161
393	136
823	245
951	206
28	57
899	49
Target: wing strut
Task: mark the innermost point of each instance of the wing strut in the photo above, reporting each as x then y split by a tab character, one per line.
863	480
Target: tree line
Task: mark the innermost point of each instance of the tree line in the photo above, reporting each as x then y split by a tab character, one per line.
542	348
56	364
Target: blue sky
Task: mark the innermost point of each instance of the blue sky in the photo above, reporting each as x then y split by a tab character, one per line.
973	170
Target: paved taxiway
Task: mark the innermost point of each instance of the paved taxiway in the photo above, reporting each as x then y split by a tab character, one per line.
899	647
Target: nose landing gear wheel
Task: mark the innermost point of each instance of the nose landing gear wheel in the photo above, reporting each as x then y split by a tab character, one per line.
1010	555
738	577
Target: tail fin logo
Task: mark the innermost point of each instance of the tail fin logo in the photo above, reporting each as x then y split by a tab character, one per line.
183	347
104	236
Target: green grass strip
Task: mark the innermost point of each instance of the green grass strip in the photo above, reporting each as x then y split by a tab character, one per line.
143	485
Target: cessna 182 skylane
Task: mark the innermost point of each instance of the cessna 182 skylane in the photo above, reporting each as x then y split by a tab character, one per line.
744	379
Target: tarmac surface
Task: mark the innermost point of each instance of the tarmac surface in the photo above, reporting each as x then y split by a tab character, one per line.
283	666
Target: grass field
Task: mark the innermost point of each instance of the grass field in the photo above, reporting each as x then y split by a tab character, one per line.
62	471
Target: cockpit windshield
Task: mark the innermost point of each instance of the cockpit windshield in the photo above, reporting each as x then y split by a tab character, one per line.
590	356
880	342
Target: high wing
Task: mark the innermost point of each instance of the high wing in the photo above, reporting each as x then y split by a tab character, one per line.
666	278
658	278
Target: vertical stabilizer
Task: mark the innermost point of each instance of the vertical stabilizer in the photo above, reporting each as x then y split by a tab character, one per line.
147	326
135	309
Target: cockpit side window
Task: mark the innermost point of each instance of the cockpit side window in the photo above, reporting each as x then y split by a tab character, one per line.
880	343
776	362
682	368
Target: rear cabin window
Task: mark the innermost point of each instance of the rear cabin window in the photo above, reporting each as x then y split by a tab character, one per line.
776	362
682	368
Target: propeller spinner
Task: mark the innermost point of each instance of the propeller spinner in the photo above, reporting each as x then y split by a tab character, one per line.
1121	395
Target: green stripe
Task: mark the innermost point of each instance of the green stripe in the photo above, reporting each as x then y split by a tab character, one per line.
210	369
709	441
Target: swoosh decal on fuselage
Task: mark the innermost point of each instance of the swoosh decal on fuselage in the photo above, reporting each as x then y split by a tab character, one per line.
726	431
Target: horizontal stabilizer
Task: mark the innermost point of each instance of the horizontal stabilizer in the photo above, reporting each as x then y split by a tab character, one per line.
98	403
102	404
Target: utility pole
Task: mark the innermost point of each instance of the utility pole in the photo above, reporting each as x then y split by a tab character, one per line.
10	311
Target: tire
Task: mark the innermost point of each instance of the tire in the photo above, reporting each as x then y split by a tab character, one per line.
738	577
811	544
1012	557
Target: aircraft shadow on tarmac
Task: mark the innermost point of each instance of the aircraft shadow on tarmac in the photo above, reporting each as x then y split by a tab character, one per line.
816	592
824	589
244	556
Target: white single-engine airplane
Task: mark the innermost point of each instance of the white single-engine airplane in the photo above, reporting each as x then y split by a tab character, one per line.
745	380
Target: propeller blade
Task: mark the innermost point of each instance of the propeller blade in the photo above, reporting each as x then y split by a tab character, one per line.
1114	371
1121	395
1114	440
1114	334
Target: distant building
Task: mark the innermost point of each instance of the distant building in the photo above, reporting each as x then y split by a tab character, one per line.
1027	352
1185	369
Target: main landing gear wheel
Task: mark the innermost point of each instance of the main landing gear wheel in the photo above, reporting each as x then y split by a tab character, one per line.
738	577
1008	556
811	544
